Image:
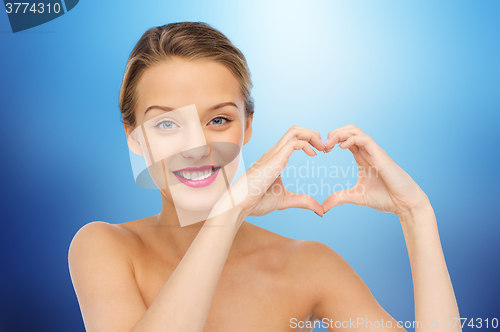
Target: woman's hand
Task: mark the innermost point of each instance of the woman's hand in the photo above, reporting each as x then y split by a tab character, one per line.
382	184
266	192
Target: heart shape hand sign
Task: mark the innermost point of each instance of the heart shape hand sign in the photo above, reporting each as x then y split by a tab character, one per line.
381	183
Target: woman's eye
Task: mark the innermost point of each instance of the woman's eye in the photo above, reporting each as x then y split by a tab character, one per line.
166	125
218	121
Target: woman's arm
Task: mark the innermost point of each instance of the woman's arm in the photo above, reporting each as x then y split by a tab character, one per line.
434	297
184	301
343	297
109	296
384	186
104	282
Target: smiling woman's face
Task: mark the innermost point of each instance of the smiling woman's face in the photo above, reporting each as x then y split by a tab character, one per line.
190	126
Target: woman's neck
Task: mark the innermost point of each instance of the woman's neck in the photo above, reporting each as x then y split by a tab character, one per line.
170	236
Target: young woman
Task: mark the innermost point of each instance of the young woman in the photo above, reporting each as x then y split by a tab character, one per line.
223	273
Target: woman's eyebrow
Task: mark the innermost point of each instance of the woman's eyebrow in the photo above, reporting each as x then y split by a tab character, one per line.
168	109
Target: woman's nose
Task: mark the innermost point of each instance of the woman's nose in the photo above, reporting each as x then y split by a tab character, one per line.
196	153
195	146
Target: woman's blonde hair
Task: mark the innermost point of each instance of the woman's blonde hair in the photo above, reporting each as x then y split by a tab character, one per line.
187	40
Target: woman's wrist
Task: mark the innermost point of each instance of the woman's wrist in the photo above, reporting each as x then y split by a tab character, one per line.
418	210
225	213
419	224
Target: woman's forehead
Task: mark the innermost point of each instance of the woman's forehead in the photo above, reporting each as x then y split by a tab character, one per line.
179	83
179	78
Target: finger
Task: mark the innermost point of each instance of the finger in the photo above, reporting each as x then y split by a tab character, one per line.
301	201
304	134
358	140
328	149
356	153
349	196
364	142
293	145
341	134
349	126
369	148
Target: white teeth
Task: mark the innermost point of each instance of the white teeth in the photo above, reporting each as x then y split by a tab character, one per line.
196	176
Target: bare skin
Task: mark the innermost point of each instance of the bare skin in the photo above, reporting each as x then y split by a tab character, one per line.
152	274
266	280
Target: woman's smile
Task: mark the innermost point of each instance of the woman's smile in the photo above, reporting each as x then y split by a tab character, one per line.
197	177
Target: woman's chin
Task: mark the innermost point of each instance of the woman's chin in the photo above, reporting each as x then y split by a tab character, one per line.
188	207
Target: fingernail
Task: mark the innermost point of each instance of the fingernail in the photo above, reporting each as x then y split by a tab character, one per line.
324	143
327	140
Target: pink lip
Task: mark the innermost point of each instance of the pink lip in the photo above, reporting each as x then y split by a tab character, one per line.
198	183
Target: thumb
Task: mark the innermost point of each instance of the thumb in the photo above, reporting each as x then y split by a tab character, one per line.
349	196
302	201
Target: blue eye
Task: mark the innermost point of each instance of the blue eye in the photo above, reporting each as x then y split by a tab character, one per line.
218	121
166	125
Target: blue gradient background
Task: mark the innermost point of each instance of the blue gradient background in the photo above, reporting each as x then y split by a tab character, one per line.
422	78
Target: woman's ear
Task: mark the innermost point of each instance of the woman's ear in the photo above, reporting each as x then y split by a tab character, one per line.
132	139
248	129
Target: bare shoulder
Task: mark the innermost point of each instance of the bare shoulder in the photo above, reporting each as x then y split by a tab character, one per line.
99	232
311	270
311	261
312	257
99	228
101	238
315	253
102	274
324	266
